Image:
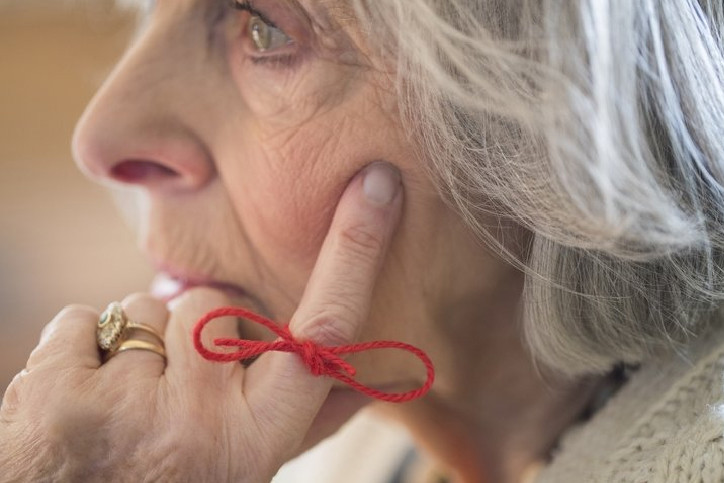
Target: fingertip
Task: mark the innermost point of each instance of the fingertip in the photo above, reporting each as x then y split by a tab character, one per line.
381	183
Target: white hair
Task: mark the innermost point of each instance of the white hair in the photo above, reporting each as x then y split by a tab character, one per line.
598	126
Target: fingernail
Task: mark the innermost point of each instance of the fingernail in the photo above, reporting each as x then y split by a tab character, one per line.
381	183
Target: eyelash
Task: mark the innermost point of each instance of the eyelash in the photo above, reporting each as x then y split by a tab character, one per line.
247	6
272	61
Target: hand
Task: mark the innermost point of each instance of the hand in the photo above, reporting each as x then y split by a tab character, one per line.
70	417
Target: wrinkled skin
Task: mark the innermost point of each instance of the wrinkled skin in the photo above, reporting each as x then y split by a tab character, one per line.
239	160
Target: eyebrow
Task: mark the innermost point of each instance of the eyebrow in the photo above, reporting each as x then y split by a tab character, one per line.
338	13
328	15
321	9
333	19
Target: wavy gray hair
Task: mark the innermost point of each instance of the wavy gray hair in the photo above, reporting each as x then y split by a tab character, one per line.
596	125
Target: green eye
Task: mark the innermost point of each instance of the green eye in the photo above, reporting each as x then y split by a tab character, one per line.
266	37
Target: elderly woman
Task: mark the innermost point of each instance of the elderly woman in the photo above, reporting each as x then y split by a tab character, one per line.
530	191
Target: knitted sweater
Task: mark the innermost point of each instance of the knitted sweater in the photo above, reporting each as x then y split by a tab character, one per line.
665	425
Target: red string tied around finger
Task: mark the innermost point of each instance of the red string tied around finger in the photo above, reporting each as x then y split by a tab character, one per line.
320	359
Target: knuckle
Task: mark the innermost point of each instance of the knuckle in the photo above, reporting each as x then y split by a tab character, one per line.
68	316
54	335
42	353
328	328
48	330
76	311
47	354
36	357
360	240
13	393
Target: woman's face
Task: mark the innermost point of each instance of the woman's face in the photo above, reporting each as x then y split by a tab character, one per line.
242	128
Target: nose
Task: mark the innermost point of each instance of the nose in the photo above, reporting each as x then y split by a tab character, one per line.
139	128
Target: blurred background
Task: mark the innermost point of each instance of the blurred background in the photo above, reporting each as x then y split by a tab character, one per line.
61	238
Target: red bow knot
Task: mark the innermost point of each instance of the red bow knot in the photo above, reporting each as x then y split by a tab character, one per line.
321	360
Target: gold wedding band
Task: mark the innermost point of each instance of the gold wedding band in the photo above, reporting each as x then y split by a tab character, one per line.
130	326
114	331
135	344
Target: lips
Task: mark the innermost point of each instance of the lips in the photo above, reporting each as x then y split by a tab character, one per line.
167	287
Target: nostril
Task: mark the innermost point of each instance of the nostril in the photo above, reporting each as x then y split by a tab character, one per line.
141	172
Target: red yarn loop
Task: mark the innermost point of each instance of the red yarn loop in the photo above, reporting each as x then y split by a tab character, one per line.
321	360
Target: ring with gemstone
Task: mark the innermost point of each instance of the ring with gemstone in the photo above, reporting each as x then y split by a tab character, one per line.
114	329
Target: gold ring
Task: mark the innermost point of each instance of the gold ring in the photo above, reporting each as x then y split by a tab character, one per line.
131	326
135	344
114	329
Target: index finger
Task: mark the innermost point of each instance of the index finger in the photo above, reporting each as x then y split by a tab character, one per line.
335	303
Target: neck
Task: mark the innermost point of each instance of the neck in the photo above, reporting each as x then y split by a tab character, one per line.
498	443
491	416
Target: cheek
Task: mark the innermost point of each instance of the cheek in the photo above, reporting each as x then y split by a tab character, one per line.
287	158
290	215
285	193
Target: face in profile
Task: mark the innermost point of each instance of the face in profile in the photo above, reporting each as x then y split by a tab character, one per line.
239	128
